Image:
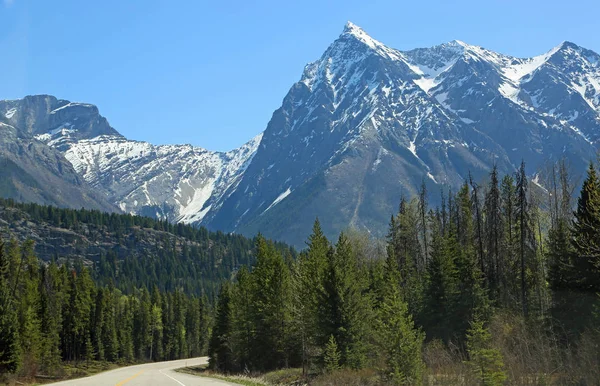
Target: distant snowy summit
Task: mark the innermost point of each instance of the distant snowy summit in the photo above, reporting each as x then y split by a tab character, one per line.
364	124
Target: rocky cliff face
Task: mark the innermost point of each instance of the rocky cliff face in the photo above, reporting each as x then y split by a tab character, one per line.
33	172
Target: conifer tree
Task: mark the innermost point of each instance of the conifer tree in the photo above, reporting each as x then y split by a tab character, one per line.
30	335
307	281
398	339
586	229
486	361
270	300
508	261
493	233
343	310
331	356
526	238
10	354
221	358
51	304
243	327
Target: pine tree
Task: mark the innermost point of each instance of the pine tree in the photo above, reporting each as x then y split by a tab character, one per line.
524	224
10	354
572	251
307	281
586	230
493	233
219	349
442	288
344	311
486	361
399	341
156	326
30	335
508	262
52	299
270	299
331	356
243	329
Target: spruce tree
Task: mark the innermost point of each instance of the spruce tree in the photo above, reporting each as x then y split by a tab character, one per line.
219	348
343	308
586	231
331	356
493	233
10	354
486	361
307	282
270	300
398	339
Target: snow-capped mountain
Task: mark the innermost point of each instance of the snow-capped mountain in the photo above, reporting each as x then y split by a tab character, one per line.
33	172
180	183
174	182
364	124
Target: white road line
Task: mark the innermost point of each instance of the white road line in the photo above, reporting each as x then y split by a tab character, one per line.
167	375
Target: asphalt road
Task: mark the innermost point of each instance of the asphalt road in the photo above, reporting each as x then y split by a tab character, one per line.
153	374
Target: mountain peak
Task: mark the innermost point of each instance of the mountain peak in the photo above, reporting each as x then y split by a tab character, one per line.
353	29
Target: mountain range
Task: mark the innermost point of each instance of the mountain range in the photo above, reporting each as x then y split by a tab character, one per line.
365	124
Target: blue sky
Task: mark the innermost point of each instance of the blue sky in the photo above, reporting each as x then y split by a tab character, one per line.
211	73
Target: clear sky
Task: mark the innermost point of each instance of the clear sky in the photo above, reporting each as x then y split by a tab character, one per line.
211	73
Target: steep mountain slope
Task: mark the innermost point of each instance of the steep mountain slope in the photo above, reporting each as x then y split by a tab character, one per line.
175	182
366	123
178	182
43	114
32	171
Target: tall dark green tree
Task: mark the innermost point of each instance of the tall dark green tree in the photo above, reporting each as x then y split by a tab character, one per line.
343	308
493	233
399	342
10	354
586	229
526	235
271	295
221	357
307	281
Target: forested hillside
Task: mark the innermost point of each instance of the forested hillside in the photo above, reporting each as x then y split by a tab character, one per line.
486	289
50	314
128	251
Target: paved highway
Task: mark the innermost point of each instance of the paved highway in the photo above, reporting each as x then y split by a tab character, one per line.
152	374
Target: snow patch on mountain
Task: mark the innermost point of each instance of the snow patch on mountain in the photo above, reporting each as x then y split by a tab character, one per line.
279	198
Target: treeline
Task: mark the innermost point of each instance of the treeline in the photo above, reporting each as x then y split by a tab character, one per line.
488	288
131	252
50	314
